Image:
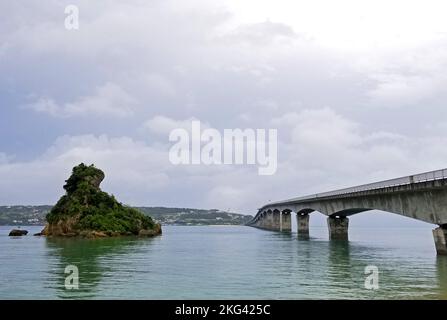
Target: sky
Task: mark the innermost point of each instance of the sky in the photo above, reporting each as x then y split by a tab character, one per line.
356	90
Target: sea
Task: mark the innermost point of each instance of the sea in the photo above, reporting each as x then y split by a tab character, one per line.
225	262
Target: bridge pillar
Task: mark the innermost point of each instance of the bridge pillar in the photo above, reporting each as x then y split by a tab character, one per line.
286	221
276	220
302	222
268	220
338	228
260	222
265	219
440	236
280	221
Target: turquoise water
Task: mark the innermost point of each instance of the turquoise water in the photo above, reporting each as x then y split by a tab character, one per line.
225	263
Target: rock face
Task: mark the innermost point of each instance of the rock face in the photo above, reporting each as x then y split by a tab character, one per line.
18	233
87	211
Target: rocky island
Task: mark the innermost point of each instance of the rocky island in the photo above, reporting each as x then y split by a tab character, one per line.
86	211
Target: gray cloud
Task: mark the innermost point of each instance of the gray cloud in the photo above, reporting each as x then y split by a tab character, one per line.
110	92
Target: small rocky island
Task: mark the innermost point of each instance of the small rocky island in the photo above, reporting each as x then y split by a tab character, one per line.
18	233
86	211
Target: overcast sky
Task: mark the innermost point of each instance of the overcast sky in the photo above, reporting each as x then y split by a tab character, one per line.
356	89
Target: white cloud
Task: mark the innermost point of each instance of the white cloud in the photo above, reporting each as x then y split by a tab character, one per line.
396	90
133	169
262	33
320	128
327	151
107	100
163	125
412	75
46	105
4	158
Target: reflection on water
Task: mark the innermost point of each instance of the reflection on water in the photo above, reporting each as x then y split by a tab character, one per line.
88	255
340	269
226	263
441	268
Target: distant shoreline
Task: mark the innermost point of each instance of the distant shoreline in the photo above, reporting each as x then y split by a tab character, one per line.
167	225
36	216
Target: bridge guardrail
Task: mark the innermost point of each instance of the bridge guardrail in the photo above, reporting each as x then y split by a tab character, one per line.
417	178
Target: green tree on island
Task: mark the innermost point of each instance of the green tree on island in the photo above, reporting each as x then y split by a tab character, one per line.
87	211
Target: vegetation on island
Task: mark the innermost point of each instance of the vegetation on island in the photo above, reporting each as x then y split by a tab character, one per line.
85	210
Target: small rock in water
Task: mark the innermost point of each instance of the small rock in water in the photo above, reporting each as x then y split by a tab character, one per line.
18	233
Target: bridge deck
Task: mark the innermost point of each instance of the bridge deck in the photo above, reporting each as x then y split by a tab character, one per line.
407	180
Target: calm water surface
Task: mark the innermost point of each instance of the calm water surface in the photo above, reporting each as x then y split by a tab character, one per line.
225	263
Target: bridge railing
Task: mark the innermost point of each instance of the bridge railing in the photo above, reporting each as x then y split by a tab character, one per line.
417	178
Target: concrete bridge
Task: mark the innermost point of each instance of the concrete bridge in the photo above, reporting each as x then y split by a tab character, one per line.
422	197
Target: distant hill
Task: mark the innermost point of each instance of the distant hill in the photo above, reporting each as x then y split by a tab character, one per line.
35	215
24	215
188	216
